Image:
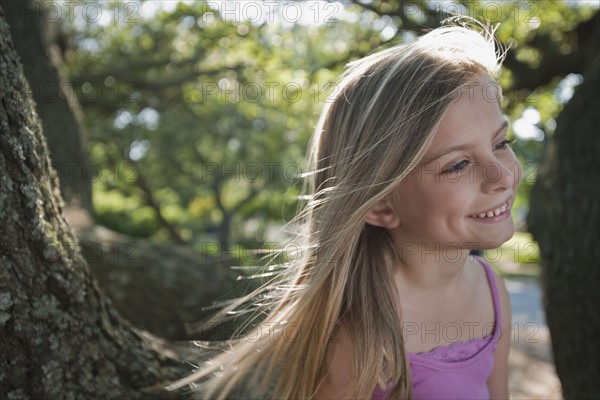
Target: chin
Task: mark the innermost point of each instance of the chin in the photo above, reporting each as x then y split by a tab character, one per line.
501	239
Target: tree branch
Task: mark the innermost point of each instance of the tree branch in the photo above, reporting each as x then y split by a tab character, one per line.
150	200
554	63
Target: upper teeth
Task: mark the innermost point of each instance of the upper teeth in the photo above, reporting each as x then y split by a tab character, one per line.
491	213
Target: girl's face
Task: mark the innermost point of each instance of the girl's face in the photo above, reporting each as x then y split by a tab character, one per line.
461	193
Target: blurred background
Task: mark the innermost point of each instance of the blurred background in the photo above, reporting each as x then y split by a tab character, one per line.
178	130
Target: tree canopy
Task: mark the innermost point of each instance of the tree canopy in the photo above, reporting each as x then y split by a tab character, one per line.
199	114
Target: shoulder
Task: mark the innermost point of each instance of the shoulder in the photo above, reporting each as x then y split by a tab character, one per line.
503	298
500	285
484	283
505	311
498	380
503	306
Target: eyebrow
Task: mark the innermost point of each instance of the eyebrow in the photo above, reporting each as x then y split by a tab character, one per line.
466	146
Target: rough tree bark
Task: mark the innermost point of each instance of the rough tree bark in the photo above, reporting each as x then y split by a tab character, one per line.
37	43
564	218
60	337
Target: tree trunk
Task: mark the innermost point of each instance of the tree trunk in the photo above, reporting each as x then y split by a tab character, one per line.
38	45
60	337
564	219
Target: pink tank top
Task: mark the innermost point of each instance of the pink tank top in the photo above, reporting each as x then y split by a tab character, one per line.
459	370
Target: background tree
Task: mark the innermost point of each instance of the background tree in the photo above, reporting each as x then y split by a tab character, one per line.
564	218
215	116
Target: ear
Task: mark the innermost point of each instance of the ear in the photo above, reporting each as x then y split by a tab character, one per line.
383	215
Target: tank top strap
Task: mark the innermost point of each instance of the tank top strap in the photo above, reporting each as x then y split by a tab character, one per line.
491	277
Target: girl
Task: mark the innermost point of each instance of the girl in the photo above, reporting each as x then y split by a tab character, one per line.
412	172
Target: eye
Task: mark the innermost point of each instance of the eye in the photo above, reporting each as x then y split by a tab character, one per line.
504	144
457	167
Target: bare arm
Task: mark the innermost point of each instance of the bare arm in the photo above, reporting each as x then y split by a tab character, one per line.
498	380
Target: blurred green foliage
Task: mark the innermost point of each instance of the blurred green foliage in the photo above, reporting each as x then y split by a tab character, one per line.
198	117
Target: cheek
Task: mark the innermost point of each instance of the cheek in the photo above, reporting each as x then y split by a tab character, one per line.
413	201
454	199
441	200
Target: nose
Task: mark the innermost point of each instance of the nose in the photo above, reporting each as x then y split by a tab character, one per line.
499	176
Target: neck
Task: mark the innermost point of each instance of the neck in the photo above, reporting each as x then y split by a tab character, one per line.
428	271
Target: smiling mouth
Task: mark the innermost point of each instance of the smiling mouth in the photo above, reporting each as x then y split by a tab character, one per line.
491	213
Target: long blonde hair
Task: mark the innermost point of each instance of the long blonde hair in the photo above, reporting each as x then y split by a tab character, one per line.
374	131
